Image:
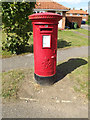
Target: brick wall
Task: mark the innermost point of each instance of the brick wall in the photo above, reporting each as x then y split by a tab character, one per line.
83	17
73	19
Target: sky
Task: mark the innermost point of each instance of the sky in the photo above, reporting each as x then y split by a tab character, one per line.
77	4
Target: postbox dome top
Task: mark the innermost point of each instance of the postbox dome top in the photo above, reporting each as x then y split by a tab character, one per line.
46	15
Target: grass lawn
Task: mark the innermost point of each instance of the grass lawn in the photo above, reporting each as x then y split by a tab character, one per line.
66	39
83	31
75	70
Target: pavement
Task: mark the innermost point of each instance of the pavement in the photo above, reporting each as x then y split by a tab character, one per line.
35	110
27	61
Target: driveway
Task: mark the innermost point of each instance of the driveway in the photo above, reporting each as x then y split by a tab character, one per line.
87	27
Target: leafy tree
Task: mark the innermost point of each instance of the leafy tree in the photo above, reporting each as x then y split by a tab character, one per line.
17	25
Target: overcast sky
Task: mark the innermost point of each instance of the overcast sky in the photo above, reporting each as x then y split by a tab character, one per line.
77	4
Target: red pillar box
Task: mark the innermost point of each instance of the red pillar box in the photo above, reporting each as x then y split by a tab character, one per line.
45	28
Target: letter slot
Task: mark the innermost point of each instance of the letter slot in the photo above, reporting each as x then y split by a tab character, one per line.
45	29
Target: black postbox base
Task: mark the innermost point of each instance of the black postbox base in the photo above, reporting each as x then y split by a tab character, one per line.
44	80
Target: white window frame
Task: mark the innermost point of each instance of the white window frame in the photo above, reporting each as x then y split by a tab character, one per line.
71	14
78	14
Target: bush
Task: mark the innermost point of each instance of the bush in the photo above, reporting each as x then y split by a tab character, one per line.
86	22
16	25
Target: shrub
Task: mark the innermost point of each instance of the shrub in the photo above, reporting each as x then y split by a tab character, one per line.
16	25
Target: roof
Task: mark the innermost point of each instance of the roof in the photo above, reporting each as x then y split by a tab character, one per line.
77	11
50	5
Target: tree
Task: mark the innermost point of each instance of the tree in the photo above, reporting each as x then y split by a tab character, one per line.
17	25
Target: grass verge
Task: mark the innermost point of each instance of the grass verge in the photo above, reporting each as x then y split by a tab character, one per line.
11	82
80	79
76	71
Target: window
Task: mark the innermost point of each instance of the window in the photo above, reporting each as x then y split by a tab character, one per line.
41	11
78	14
84	15
51	11
70	14
37	11
59	13
75	14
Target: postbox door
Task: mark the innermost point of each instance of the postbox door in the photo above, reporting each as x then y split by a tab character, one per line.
49	55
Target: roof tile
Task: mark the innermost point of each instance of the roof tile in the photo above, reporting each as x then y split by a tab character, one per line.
50	5
77	11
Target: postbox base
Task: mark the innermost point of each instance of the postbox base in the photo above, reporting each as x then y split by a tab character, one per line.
44	80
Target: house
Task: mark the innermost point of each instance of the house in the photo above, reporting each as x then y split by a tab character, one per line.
51	6
80	13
